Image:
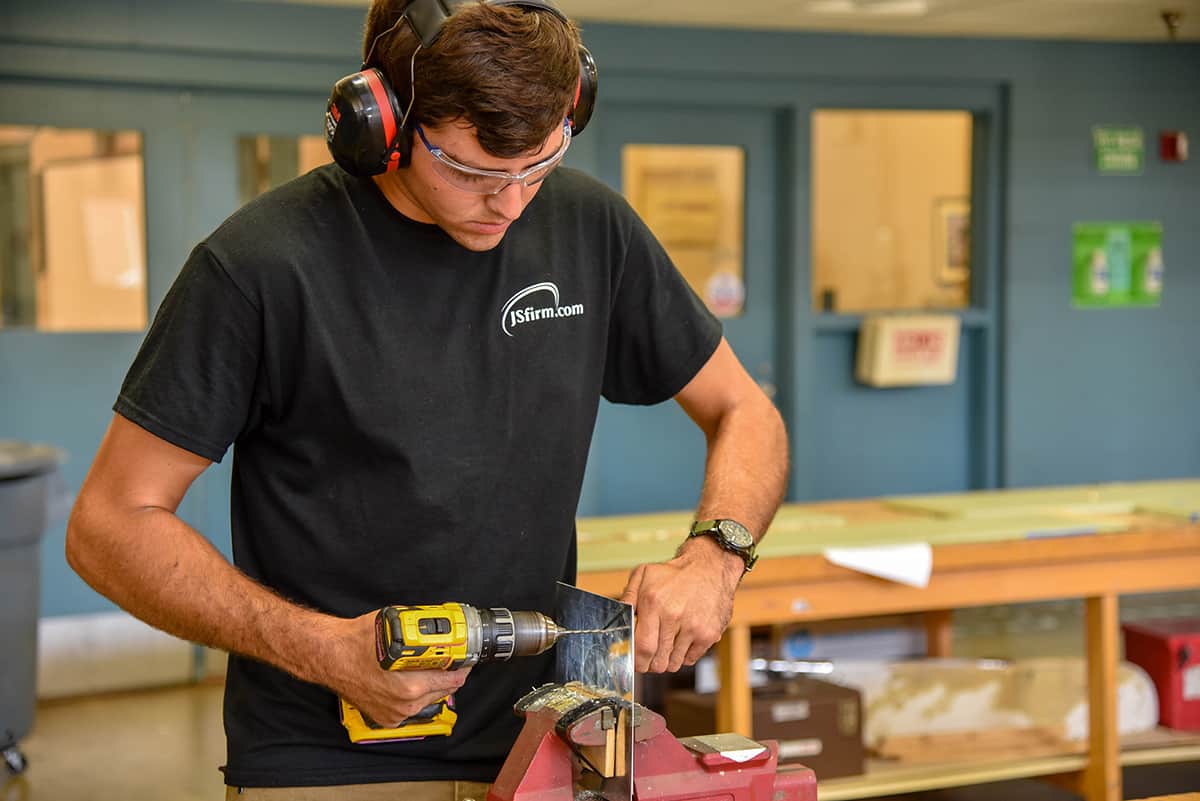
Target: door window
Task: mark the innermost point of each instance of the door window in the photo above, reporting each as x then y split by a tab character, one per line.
891	218
265	162
72	229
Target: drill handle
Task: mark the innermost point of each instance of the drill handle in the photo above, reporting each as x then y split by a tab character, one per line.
436	719
429	713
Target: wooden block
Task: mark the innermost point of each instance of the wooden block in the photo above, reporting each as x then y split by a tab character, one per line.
999	744
1175	498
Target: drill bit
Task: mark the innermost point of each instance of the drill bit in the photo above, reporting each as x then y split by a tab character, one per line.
535	633
565	632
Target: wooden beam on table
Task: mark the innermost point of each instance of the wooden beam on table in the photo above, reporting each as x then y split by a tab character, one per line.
842	593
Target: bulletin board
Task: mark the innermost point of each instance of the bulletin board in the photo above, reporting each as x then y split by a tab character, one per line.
692	198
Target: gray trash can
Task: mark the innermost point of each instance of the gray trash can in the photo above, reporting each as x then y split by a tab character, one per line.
25	473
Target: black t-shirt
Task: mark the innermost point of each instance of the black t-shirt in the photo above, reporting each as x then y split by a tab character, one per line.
411	422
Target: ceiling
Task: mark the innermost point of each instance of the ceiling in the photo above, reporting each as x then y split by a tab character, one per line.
1107	20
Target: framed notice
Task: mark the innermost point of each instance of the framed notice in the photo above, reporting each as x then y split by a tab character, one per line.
951	240
693	198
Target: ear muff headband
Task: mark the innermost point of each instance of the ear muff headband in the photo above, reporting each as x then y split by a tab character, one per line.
364	127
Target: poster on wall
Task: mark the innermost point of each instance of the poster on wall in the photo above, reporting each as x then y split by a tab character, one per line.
1117	264
693	198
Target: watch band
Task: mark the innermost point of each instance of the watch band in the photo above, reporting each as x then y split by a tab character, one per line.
731	535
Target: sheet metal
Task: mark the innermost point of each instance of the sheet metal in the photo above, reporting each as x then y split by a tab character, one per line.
603	660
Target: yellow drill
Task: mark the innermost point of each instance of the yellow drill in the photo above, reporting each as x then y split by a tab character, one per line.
446	637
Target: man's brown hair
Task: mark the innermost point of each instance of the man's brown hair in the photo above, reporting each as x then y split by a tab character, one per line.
509	71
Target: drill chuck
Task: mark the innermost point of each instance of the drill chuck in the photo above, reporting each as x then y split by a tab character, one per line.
451	636
534	633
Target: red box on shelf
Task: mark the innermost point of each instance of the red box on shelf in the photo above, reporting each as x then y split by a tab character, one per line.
1169	650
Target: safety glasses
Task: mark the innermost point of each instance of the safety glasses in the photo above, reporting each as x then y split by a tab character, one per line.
491	182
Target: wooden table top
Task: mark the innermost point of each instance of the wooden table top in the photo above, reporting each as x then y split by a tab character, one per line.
621	542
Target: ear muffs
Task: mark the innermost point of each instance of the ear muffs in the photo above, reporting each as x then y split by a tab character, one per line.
364	127
585	95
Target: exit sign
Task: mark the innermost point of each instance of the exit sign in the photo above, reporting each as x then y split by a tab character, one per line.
1119	149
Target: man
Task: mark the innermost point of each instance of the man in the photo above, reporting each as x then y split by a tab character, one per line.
410	364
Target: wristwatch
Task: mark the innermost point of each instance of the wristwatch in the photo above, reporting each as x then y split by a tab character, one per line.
730	535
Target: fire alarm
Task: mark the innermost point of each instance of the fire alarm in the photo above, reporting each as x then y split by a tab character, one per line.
1173	145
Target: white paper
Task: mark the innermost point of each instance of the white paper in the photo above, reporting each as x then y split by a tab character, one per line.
742	754
906	564
114	242
1191	683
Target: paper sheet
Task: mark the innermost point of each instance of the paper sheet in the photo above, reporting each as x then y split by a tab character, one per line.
906	564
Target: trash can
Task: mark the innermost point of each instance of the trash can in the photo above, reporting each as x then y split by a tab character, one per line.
25	473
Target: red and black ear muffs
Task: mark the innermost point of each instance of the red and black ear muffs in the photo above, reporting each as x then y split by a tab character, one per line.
364	121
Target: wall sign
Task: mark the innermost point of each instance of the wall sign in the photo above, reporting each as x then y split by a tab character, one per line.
906	350
1120	150
1117	264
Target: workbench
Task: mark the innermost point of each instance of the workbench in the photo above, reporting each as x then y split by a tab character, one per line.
1094	542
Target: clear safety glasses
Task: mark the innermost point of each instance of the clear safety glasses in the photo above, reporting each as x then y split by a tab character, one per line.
491	182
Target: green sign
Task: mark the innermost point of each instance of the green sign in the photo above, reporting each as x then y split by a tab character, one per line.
1119	151
1117	264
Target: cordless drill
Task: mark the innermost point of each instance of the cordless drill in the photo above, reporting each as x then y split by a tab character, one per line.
446	636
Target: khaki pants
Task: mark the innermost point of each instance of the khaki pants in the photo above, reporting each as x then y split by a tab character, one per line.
387	791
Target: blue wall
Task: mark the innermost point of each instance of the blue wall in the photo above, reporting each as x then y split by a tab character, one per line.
1082	395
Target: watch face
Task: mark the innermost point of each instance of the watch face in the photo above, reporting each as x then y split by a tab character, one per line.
736	534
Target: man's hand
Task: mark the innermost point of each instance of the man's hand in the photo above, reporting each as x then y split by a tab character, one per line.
386	696
683	605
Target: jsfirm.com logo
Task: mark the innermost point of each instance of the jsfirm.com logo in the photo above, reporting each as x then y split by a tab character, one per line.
518	311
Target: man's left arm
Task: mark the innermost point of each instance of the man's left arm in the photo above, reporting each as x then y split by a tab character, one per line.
683	605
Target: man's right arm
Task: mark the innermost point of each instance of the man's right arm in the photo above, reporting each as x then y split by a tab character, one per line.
125	539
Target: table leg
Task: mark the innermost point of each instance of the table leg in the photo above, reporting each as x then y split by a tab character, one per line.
733	665
1102	777
939	633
